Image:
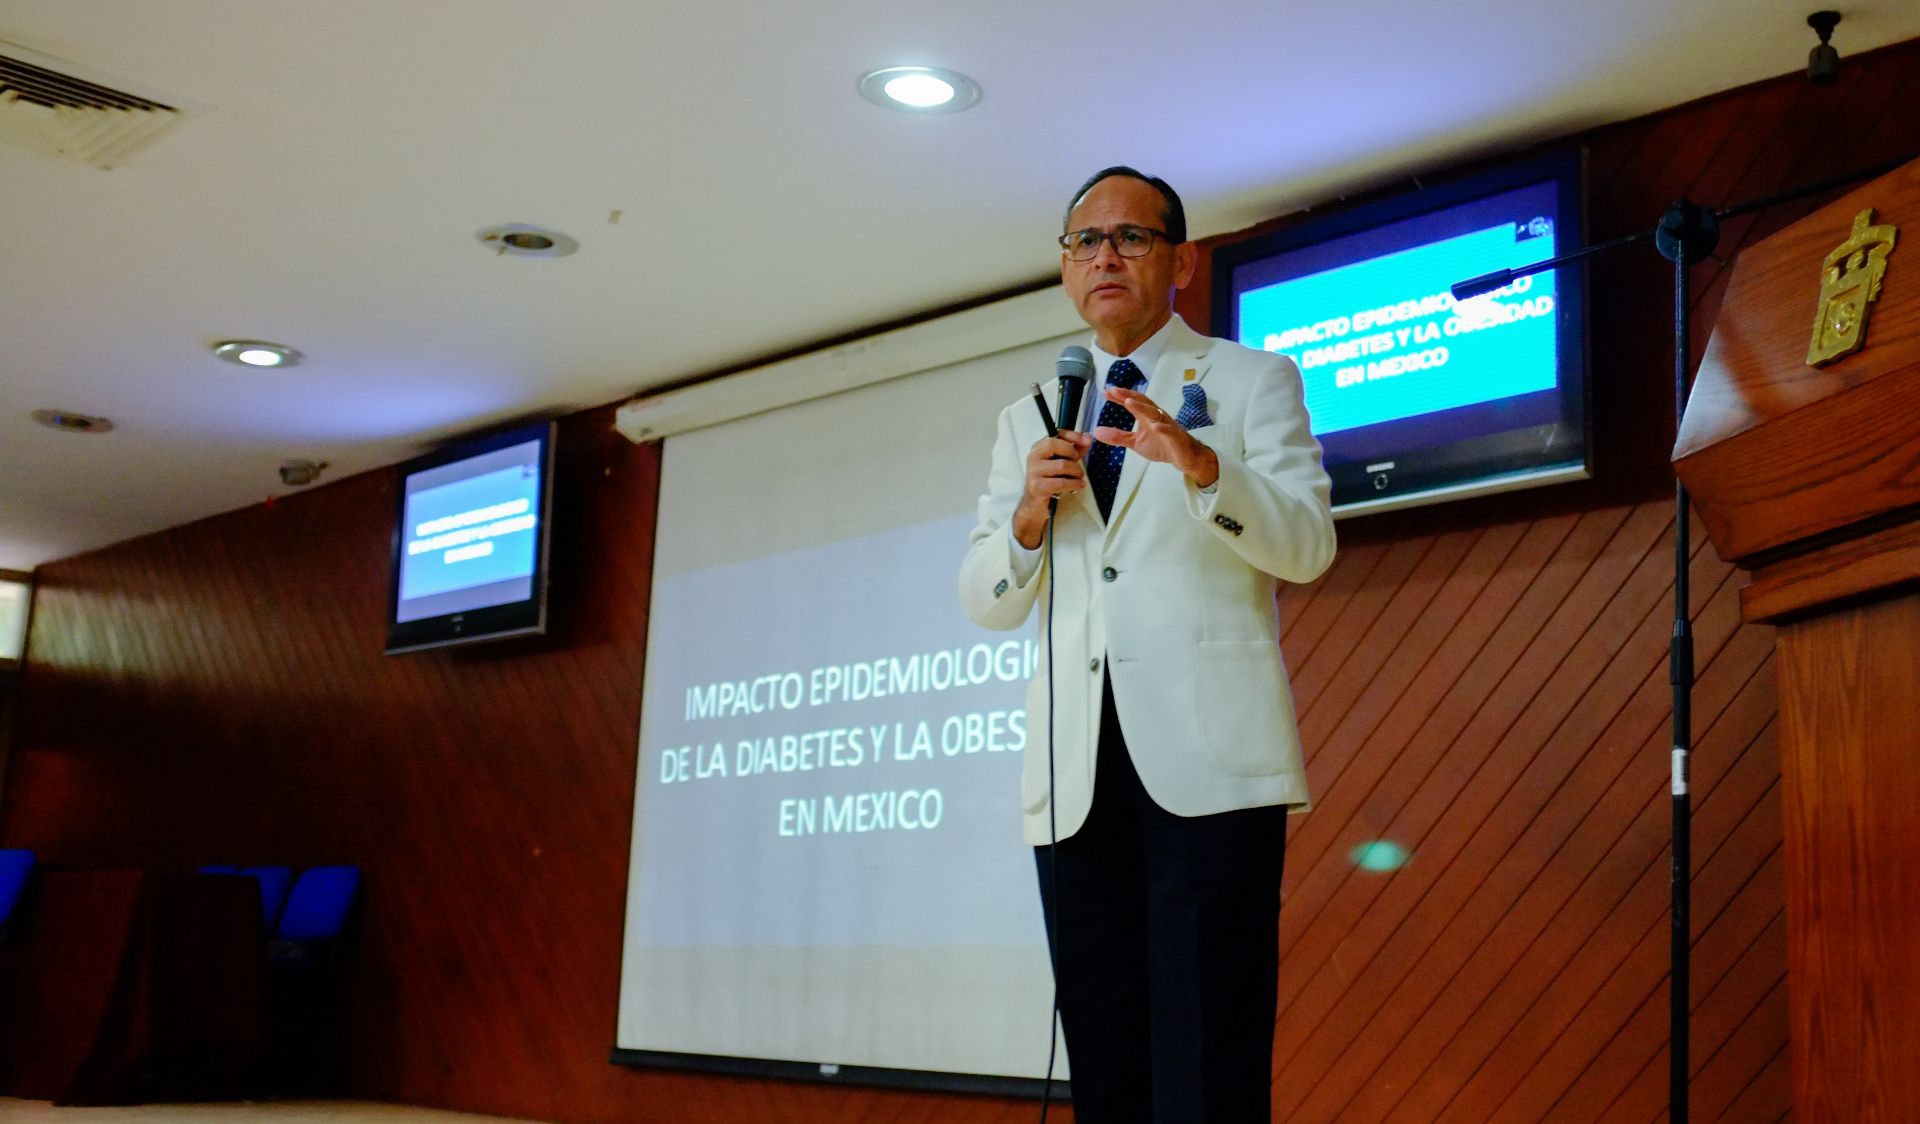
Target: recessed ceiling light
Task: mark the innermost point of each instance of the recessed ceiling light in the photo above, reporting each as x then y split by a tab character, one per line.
524	240
257	353
919	89
67	421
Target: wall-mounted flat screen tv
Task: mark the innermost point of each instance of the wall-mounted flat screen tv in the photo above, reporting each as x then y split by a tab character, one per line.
1418	398
470	541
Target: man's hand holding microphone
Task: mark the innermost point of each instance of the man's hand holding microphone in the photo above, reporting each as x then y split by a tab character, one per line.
1056	463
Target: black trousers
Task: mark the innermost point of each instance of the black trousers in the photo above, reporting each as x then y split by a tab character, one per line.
1167	953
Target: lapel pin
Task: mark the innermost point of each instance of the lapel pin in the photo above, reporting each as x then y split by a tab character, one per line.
1189	375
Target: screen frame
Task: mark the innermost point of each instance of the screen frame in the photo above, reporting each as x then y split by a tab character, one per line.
525	617
827	1073
1484	464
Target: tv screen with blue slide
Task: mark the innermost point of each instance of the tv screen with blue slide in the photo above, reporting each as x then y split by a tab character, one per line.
470	541
1417	397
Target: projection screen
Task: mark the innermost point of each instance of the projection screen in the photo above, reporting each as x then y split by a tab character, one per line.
827	866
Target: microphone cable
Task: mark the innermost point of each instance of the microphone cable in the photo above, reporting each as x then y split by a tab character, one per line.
1073	368
1053	834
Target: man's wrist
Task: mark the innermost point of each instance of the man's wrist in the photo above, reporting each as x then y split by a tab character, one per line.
1029	523
1204	468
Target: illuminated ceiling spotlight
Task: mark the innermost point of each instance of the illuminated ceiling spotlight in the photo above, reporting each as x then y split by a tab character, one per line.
1381	854
257	353
919	89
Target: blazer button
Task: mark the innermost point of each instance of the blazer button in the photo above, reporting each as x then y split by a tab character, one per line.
1109	573
1094	664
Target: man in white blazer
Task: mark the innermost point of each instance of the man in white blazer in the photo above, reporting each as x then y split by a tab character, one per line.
1175	756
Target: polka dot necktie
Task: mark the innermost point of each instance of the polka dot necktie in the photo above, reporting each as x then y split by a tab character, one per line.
1103	460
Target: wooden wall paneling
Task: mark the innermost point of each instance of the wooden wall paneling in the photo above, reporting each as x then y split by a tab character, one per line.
1844	570
1728	873
1519	612
1463	648
1734	151
1848	715
1726	1006
1640	1041
1751	780
1784	152
1291	601
1375	946
1751	1048
1794	155
1767	1099
1414	619
1453	922
1621	1026
1749	1034
1584	832
1345	914
1321	687
1721	932
1610	147
1668	153
1853	139
1517	645
1321	605
1450	627
1715	129
1308	943
1439	699
1548	980
1806	133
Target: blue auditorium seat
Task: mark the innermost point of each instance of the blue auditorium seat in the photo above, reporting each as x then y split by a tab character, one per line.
307	965
274	882
16	865
216	868
319	904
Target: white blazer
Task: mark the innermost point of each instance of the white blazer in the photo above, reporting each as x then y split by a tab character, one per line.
1174	597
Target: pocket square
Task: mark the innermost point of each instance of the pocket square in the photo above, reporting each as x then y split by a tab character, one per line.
1193	407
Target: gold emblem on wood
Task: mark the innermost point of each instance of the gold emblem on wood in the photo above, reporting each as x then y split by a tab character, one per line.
1850	281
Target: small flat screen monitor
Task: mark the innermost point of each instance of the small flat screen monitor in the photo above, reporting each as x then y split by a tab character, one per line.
470	541
1416	397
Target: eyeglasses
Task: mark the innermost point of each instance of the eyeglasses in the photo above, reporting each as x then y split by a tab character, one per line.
1128	241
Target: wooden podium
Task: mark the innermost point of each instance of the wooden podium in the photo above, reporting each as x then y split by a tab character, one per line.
1809	477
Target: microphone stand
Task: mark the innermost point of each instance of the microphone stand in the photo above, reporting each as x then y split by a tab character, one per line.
1684	235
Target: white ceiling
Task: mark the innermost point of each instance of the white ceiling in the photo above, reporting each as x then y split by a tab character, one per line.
329	197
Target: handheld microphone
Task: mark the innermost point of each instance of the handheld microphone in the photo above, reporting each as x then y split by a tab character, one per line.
1074	367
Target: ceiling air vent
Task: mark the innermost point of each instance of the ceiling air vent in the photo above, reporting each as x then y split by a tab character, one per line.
47	104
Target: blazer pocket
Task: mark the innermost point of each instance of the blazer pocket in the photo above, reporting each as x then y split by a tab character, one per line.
1246	707
1220	438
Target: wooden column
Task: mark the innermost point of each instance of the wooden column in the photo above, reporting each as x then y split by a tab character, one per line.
1809	477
